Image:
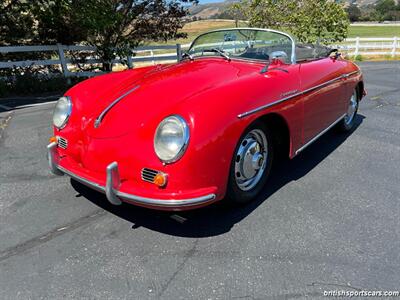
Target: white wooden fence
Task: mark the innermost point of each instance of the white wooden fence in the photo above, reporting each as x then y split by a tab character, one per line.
371	46
352	47
68	65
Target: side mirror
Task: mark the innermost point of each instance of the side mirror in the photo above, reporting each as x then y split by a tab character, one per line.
334	54
279	56
275	64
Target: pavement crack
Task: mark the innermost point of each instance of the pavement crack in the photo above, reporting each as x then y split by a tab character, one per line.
188	255
29	244
4	122
381	101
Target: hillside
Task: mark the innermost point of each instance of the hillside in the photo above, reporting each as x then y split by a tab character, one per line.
210	10
363	2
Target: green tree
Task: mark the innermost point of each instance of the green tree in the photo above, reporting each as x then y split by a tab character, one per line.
354	12
59	22
387	10
384	6
308	20
15	21
113	26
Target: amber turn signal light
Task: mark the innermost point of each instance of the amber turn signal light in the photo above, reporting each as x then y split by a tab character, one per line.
53	139
160	180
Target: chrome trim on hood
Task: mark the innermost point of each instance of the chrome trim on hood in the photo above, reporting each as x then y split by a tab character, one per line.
109	107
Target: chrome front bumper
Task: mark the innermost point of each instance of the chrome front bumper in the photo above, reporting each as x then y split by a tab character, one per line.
113	183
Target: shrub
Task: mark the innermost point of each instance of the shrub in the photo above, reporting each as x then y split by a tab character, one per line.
35	84
3	87
358	57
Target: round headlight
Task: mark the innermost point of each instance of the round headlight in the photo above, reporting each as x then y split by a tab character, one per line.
171	139
62	112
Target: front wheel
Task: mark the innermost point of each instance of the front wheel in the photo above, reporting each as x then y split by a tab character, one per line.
349	119
251	164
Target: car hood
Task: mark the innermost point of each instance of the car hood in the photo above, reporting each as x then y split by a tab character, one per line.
157	93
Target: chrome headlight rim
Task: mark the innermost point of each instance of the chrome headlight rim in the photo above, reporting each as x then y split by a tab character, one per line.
68	113
186	138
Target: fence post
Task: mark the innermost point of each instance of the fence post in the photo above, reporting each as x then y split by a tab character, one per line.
394	46
178	52
152	56
62	60
356	51
129	60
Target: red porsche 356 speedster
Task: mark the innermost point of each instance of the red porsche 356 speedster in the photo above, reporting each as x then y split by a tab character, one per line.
184	135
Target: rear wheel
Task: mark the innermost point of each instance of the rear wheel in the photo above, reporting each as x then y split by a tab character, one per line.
348	121
251	164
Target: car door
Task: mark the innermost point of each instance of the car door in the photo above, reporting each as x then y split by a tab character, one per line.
322	85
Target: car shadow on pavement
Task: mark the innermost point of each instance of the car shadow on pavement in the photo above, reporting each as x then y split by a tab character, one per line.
14	103
219	218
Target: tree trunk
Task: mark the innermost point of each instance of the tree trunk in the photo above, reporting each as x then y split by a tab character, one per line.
107	66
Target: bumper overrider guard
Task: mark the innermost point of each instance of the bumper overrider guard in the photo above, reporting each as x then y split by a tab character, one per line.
113	183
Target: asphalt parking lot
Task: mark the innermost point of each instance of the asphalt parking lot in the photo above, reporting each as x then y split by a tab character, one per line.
327	220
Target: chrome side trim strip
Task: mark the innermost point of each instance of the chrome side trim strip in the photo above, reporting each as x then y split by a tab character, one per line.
250	112
352	73
324	84
108	108
319	135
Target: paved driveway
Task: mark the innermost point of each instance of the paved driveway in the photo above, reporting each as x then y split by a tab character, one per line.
328	220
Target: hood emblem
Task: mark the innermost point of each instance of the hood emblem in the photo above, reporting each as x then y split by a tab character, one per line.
109	107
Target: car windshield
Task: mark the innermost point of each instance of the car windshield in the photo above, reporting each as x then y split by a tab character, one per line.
251	44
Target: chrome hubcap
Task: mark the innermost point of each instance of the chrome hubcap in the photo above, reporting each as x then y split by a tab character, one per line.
251	160
351	110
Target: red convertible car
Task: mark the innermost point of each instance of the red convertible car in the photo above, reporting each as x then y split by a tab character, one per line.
184	135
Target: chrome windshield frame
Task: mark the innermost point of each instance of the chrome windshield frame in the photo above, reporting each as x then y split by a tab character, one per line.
292	56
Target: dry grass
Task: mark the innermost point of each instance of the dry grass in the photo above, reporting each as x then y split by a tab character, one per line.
193	29
373	58
206	25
